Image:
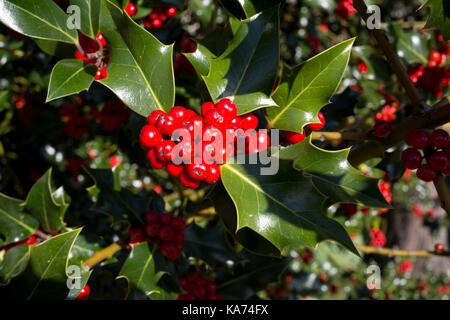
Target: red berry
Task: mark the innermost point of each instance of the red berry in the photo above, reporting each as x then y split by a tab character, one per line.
152	230
170	251
84	293
131	9
382	129
166	219
248	122
154	116
101	73
294	137
216	118
174	169
179	239
101	39
229	108
206	107
166	233
171	11
318	125
440	138
439	248
151	217
439	161
155	161
259	141
32	240
417	138
213	174
156	23
411	158
188	182
435	56
178	112
167	124
137	235
150	137
197	172
164	150
426	173
178	223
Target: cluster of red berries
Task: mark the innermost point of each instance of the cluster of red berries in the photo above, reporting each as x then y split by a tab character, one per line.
434	77
198	288
385	120
345	9
84	293
158	16
385	188
165	230
294	137
436	152
195	155
75	122
378	239
30	240
91	46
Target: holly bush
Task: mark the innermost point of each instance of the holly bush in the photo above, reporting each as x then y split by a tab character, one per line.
224	149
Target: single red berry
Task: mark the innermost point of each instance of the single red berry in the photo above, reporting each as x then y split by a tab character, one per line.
439	161
213	174
188	182
216	118
84	293
31	240
156	23
178	223
197	172
229	108
152	229
178	112
164	150
167	123
350	209
439	248
435	55
154	116
101	73
101	39
382	129
206	107
171	11
155	161
166	219
150	136
318	125
440	138
166	233
151	217
417	138
294	137
174	169
426	173
170	250
248	122
259	141
137	235
179	239
411	158
131	9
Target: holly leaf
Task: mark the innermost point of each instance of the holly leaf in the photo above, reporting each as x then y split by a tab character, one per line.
13	263
439	16
45	276
15	225
140	272
70	76
140	68
89	18
305	89
41	203
200	59
333	175
410	45
246	71
56	48
42	19
285	208
248	8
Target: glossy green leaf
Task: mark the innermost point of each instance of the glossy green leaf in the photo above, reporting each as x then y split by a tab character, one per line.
439	16
200	59
70	76
45	277
410	45
307	88
333	176
56	48
285	208
90	13
13	263
43	206
140	272
246	71
15	225
248	7
42	19
140	69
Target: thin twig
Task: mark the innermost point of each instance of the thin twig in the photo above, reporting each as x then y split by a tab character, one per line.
400	253
101	255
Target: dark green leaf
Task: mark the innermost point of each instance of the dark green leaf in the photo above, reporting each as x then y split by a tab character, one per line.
439	16
70	76
200	59
57	49
140	69
305	89
285	208
15	225
246	71
42	19
333	176
43	206
13	263
410	45
249	7
90	12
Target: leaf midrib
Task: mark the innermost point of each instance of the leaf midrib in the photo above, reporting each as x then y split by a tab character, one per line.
17	221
